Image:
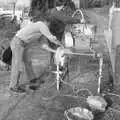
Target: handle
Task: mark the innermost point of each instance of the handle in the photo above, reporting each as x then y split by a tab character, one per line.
83	18
80	11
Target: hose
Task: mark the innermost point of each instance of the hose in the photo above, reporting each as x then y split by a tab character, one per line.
68	95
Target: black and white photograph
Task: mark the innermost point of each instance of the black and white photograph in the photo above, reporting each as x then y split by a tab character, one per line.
59	60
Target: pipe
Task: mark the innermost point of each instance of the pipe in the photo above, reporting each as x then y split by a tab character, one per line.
100	74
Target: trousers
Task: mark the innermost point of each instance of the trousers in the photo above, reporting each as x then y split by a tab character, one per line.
20	61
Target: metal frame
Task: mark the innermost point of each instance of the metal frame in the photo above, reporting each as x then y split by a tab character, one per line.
60	74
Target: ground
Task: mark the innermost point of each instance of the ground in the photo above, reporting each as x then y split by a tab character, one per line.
47	103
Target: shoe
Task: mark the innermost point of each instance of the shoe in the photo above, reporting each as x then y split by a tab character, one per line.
33	87
18	89
34	80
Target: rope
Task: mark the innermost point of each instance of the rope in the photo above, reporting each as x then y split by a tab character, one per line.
85	89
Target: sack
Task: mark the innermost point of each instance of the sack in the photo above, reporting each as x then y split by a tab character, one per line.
97	103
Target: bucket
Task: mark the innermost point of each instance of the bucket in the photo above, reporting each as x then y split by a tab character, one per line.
81	36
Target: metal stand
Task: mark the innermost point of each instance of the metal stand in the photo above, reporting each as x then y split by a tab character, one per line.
100	73
60	74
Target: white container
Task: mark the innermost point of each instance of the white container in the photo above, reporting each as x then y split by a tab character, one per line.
68	40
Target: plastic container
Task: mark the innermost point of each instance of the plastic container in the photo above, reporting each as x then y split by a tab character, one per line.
69	42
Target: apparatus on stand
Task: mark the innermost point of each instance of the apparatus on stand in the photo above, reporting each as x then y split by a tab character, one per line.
60	60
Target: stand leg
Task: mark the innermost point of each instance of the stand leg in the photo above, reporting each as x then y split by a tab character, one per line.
100	74
58	78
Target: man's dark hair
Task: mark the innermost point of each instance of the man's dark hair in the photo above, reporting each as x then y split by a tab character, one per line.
57	27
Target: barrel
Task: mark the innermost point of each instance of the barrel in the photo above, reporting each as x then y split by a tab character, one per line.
39	57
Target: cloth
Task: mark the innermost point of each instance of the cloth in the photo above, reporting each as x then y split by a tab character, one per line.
18	54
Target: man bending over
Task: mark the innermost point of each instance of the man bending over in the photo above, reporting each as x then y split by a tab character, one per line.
28	34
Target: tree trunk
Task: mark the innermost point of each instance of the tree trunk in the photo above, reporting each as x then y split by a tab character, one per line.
84	4
117	66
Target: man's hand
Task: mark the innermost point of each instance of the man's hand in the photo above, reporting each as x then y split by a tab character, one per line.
60	44
46	47
83	21
55	41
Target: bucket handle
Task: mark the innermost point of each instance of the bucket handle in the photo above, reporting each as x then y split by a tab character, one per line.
80	11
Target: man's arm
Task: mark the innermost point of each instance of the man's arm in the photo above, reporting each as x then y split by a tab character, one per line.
46	47
66	19
45	31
